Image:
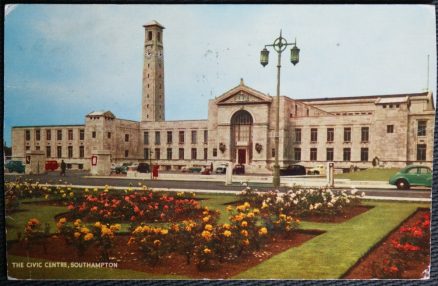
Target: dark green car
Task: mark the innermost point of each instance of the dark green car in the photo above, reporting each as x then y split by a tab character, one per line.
413	175
15	166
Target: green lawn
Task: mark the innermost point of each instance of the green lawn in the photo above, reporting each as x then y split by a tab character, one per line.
374	174
326	256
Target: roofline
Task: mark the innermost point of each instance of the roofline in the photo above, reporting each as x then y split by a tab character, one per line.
364	97
40	126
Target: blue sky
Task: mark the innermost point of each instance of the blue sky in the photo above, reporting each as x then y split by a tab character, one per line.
64	61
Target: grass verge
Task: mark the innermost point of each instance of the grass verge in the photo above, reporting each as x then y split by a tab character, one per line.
374	174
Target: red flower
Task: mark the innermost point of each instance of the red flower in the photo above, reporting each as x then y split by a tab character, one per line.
93	209
71	207
393	268
133	218
417	232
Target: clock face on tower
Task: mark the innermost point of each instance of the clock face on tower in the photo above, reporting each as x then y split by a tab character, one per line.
148	53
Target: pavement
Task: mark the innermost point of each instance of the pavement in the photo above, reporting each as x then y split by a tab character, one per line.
179	182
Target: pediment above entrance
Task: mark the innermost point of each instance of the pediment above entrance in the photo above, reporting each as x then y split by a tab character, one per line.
243	94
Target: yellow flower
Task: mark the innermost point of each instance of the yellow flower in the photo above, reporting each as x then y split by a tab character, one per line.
207	251
263	231
164	231
95	189
208	227
144	228
88	236
72	194
244	223
282	216
250	215
188	228
138	229
77	222
105	190
115	227
226	226
264	205
298	221
157	242
85	230
244	232
77	234
106	231
86	190
63	195
206	235
206	219
227	233
62	220
247	205
205	212
229	208
46	197
98	224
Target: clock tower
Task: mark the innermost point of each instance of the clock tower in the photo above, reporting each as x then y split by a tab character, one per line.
152	104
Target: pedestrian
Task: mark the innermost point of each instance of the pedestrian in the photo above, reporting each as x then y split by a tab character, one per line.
63	167
155	172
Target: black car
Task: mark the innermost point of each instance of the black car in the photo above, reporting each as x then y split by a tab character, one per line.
293	170
239	169
143	168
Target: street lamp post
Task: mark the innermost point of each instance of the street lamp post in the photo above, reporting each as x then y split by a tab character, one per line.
150	162
280	44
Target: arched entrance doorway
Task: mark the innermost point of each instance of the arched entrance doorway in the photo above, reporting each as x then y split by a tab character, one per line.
241	137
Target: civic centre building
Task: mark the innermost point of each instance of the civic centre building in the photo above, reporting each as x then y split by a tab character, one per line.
388	130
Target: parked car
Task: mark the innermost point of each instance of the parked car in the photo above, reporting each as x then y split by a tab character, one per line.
206	171
143	168
51	165
239	169
195	169
221	170
122	169
293	170
317	170
413	175
15	166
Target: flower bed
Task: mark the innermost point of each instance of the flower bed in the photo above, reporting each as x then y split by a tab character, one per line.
404	254
322	205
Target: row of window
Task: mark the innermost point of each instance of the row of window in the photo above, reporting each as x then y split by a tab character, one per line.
156	154
365	134
70	153
169	137
421	154
58	134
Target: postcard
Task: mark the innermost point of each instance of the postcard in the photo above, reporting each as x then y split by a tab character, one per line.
219	141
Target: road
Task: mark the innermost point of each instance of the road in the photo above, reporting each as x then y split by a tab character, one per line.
78	178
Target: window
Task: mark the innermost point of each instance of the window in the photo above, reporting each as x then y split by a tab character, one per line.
330	134
27	135
59	151
297	154
37	147
59	134
70	151
347	134
146	153
157	138
126	153
273	152
214	152
158	36
329	154
27	148
194	135
169	153
157	154
181	153
109	135
169	137
70	134
424	170
313	154
364	154
150	36
48	134
389	128
126	137
181	137
421	152
81	134
365	134
146	138
205	153
205	136
297	135
93	134
421	130
81	152
194	155
313	135
37	135
48	151
347	154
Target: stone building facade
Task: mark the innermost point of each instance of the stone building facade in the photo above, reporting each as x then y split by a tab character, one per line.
389	130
